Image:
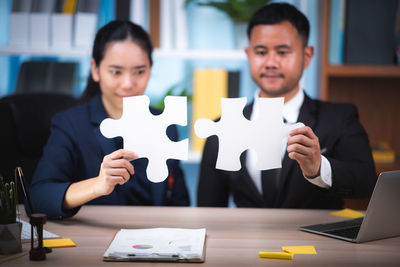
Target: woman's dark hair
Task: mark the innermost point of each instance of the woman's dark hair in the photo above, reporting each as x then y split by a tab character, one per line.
279	12
118	30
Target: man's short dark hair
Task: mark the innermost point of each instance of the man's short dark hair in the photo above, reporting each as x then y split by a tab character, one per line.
276	13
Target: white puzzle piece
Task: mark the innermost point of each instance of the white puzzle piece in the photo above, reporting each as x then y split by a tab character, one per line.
237	134
146	134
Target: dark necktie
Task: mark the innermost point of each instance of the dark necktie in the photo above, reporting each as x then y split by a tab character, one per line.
269	182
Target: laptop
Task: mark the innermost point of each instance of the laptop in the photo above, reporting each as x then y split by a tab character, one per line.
382	219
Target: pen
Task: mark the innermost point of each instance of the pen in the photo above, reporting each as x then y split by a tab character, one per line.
160	256
275	255
20	174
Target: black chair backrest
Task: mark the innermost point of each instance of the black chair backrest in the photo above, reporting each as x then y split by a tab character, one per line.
46	76
25	126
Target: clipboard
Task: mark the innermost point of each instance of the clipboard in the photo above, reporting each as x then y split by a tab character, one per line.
157	245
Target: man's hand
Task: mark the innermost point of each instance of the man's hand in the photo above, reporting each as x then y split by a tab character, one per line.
303	147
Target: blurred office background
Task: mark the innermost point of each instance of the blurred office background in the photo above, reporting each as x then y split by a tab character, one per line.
198	38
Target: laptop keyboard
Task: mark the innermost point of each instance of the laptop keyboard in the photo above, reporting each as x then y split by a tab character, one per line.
350	232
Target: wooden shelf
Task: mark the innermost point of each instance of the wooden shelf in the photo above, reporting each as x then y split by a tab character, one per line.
377	71
201	54
53	52
373	89
158	53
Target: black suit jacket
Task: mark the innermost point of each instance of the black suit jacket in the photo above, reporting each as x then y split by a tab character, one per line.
343	141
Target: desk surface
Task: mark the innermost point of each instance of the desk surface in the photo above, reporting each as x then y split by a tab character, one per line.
234	237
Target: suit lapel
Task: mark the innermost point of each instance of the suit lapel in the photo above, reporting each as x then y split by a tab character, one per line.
307	113
107	144
243	172
158	193
248	181
307	116
97	115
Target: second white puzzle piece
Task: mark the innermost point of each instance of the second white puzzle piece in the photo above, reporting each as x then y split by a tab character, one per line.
237	134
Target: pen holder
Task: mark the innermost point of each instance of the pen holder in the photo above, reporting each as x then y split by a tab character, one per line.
38	253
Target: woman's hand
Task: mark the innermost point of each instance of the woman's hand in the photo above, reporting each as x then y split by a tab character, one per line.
115	169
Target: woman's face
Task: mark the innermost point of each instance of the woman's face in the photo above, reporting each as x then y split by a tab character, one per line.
124	71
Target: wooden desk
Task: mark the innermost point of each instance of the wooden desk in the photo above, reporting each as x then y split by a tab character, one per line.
234	237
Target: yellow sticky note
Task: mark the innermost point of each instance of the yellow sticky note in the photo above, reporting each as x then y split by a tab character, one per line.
58	243
348	213
300	249
275	255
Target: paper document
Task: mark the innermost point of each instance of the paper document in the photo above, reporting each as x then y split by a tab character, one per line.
26	232
157	244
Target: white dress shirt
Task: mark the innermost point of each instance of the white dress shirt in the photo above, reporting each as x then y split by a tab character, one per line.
291	110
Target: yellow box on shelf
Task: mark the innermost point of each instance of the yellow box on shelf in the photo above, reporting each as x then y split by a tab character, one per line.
209	85
382	153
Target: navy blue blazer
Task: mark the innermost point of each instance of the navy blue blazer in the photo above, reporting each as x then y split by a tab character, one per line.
75	151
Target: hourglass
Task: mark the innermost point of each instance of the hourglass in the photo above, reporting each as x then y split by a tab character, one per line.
37	253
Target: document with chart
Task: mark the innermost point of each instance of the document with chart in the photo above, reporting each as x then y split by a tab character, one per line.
157	244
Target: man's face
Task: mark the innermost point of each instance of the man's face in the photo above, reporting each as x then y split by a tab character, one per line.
277	58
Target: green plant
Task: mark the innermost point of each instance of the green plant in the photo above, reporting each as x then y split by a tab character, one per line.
237	10
173	91
8	202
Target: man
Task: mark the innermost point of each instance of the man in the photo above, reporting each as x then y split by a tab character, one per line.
324	162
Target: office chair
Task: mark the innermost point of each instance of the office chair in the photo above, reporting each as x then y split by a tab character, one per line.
25	126
46	76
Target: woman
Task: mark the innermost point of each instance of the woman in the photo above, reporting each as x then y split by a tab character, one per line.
79	165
